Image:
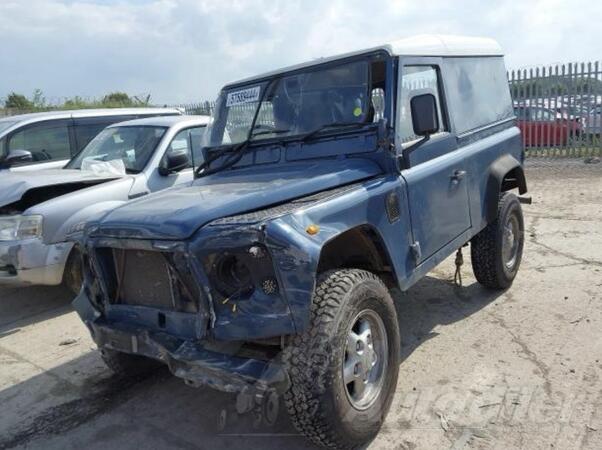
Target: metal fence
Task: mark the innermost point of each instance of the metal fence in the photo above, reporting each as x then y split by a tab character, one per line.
559	109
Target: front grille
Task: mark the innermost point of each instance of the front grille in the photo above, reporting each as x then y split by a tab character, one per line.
143	279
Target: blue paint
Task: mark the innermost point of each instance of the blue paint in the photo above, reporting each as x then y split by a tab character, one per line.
341	182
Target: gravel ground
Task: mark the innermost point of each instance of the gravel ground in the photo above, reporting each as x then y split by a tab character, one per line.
484	370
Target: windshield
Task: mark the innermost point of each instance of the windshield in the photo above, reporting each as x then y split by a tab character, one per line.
6	124
293	105
119	149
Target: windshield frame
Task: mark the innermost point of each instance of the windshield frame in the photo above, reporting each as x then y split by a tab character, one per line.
267	82
150	157
3	133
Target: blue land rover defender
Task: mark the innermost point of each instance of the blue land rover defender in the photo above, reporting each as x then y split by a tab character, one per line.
323	186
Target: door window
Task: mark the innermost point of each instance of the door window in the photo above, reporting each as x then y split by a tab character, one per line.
416	80
46	142
187	140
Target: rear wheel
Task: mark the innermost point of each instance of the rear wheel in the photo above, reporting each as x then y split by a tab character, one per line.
496	252
344	368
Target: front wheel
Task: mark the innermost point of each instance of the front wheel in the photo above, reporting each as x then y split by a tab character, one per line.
126	365
343	369
72	276
496	252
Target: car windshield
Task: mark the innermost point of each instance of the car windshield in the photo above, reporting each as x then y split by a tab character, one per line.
6	124
119	149
292	105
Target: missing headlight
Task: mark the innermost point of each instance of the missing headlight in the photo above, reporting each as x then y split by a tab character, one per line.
237	273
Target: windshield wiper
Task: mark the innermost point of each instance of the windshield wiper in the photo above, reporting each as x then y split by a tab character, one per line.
313	133
279	131
237	151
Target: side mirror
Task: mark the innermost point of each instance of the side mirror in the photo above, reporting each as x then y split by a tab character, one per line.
18	157
424	114
174	161
425	121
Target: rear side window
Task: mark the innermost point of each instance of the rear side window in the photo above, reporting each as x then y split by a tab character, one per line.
45	141
478	92
416	80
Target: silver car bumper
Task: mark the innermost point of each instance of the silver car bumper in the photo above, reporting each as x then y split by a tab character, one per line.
31	262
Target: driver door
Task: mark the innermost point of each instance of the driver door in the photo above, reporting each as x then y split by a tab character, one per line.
436	178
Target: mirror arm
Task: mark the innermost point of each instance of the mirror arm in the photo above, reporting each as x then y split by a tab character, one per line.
404	160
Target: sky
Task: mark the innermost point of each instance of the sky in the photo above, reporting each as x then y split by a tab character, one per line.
183	51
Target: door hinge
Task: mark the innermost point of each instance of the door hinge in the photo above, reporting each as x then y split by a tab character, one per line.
416	252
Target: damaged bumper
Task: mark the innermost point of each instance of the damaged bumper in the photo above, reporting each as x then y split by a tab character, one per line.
188	359
31	262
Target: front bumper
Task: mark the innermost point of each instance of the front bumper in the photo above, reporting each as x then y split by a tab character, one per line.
188	359
32	262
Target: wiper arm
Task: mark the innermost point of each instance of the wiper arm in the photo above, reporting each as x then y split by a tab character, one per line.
313	133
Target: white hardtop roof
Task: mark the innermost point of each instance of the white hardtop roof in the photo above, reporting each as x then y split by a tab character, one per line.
21	119
165	121
420	45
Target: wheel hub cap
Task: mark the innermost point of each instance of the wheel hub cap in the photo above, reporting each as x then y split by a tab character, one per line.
510	242
365	359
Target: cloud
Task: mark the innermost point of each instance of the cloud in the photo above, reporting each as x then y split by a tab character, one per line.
183	51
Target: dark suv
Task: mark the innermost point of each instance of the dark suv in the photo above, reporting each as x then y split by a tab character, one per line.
323	186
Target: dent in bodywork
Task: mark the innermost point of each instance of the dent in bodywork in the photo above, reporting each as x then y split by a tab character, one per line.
187	359
298	254
39	195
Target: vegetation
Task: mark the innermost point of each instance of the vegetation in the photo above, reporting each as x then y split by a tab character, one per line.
37	102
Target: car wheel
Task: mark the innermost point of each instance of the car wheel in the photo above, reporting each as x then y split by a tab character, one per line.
497	250
343	368
127	365
73	276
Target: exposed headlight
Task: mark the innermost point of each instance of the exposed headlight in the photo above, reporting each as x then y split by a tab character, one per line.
17	228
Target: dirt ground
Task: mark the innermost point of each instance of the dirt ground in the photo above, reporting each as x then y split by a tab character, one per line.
481	370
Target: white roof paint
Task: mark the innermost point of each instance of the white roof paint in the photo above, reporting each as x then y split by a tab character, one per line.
420	45
445	45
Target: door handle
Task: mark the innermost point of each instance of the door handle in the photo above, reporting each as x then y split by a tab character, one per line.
458	175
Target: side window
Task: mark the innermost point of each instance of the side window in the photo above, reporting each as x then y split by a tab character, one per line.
45	141
477	91
416	80
182	142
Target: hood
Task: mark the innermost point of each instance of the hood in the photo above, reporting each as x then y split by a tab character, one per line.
42	185
178	212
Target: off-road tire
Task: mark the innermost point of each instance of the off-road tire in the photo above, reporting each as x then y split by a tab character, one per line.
486	247
126	365
73	273
316	399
